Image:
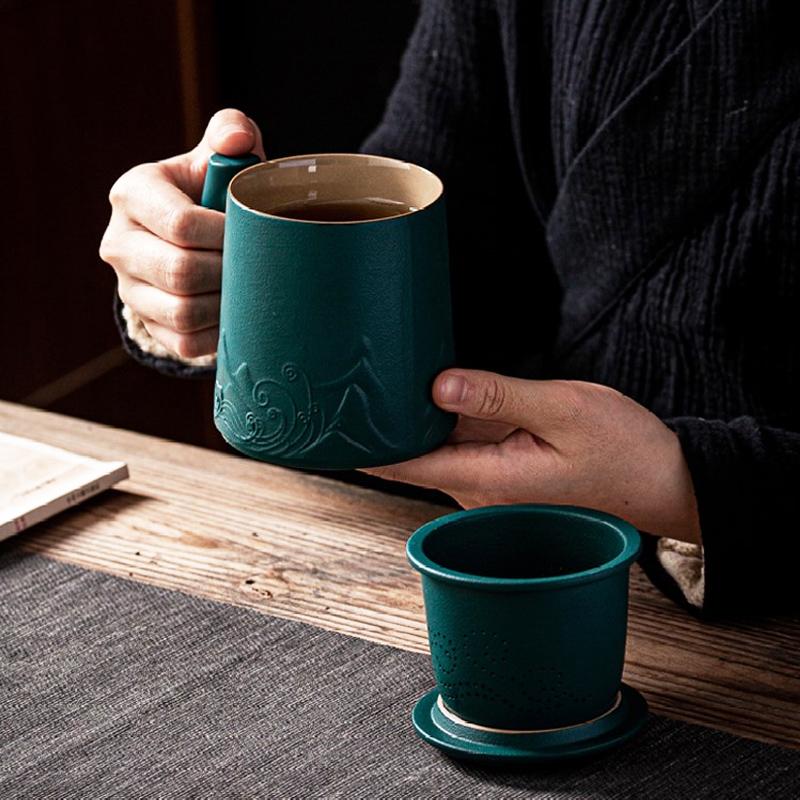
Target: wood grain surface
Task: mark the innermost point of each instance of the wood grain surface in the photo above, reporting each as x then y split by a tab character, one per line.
332	555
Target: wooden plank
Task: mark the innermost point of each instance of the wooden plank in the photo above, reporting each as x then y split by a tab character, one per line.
332	555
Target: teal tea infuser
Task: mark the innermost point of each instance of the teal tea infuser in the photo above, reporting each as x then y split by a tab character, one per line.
527	616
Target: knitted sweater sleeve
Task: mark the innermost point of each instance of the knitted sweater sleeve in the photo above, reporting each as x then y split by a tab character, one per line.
746	467
745	475
140	346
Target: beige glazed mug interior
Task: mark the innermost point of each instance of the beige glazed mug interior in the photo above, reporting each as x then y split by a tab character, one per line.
324	177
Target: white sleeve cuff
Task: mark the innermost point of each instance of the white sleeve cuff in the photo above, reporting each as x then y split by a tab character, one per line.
138	333
684	563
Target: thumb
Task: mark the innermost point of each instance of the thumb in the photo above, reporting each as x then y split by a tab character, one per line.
486	395
477	394
231	133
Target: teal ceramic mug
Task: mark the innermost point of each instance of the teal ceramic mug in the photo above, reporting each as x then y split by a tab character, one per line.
335	312
527	614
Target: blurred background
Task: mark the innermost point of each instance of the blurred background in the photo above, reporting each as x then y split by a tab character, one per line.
91	88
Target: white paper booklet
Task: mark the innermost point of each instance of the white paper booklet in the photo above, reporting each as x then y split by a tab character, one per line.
37	481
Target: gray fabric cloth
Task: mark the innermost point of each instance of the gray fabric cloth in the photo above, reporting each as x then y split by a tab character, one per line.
115	689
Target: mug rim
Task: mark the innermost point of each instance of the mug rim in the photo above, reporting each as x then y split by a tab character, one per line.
398	162
417	557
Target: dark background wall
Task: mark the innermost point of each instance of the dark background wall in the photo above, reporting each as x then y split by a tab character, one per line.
92	87
314	75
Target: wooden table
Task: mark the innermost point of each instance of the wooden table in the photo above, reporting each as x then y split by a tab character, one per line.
332	555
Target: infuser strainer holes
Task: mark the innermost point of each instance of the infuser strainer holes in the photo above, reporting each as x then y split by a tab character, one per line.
443	652
486	656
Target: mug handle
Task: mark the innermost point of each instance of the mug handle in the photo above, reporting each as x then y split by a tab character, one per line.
221	170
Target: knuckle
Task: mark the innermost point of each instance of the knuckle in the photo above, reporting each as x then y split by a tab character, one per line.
178	273
107	251
492	398
574	406
182	316
122	291
118	192
180	225
188	345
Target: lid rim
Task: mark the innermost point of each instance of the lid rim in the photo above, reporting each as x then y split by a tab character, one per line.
430	569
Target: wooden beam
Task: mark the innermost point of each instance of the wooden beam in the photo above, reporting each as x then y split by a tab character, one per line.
75	379
193	123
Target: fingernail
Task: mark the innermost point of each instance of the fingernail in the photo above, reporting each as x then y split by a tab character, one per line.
452	390
229	130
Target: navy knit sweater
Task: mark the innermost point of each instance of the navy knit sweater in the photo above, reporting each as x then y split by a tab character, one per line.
622	183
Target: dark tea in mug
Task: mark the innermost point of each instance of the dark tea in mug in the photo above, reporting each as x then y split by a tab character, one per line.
358	210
